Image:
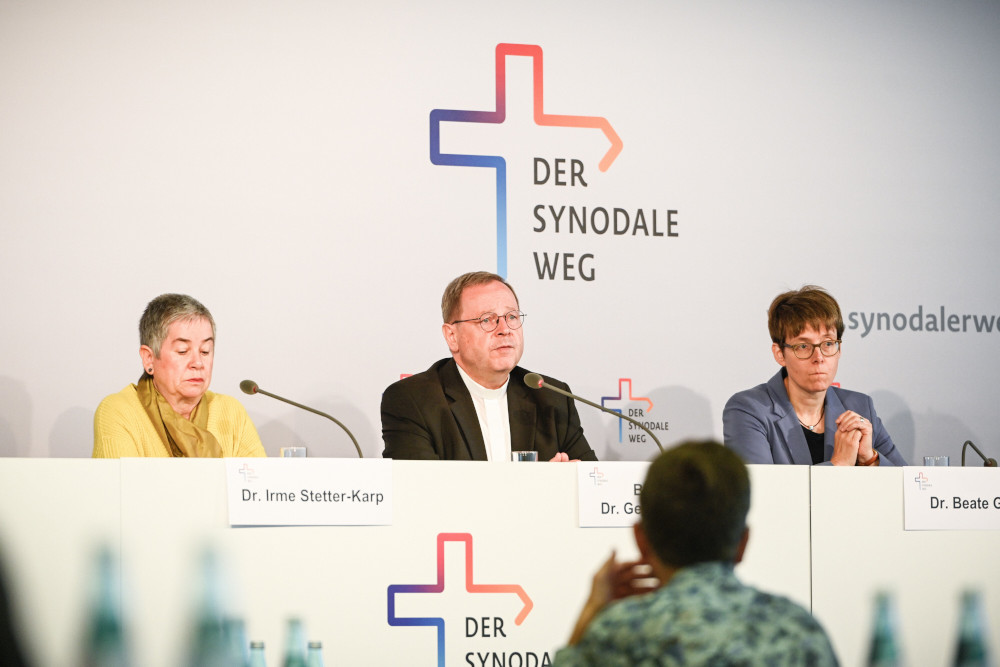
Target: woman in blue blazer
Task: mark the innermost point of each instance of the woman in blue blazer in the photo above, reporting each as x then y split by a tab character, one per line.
798	416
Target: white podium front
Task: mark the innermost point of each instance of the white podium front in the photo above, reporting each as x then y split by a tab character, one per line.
860	547
470	545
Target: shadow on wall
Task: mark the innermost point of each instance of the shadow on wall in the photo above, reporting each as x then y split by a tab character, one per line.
73	434
15	418
898	421
275	435
944	435
678	414
926	433
323	438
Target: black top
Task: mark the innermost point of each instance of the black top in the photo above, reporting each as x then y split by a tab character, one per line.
815	442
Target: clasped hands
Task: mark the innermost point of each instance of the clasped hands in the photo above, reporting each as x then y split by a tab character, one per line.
852	443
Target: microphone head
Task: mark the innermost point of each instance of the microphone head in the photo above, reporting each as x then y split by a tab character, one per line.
248	387
534	380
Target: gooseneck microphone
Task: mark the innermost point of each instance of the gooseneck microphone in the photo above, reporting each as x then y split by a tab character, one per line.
536	381
250	387
987	462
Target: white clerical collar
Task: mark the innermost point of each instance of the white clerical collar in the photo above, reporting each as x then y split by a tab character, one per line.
479	390
494	419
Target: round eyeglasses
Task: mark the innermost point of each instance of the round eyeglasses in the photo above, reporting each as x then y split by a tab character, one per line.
490	321
805	350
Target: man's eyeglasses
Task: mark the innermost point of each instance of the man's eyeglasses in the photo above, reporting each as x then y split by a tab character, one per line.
805	350
490	321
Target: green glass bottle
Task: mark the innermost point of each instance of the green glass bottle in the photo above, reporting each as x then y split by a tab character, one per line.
104	643
295	644
314	656
209	645
884	649
236	639
971	648
257	658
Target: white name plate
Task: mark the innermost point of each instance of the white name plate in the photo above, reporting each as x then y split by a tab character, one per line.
951	498
608	492
309	492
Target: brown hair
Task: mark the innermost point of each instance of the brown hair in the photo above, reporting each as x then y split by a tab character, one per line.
453	292
694	503
791	312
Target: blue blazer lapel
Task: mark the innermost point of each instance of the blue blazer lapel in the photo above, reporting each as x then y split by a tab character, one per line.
789	430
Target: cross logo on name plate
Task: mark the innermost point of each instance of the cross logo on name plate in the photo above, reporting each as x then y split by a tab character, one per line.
598	476
247	472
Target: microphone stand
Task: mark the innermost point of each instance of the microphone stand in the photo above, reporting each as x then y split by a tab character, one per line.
250	387
987	462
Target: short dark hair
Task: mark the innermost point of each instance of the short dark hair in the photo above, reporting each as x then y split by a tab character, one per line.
694	503
791	312
452	296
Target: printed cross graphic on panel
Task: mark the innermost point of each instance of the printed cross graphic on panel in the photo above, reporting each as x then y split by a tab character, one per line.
497	162
470	586
597	476
622	383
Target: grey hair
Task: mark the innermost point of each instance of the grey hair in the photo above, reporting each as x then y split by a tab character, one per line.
163	311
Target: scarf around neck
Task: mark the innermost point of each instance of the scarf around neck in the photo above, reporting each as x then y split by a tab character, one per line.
183	437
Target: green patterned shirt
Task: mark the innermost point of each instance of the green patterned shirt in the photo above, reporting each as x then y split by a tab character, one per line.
703	616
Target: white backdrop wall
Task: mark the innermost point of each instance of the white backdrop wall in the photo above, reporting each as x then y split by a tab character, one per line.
273	160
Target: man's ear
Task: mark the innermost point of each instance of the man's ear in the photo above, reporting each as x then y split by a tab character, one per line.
742	545
448	331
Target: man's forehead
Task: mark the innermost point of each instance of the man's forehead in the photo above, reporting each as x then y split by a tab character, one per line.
488	295
499	305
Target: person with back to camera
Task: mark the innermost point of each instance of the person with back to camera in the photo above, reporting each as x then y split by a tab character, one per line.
170	411
691	534
798	417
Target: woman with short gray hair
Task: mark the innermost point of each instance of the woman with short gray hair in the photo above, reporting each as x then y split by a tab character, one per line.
170	411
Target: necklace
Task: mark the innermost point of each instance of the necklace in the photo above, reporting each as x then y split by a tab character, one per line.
804	425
